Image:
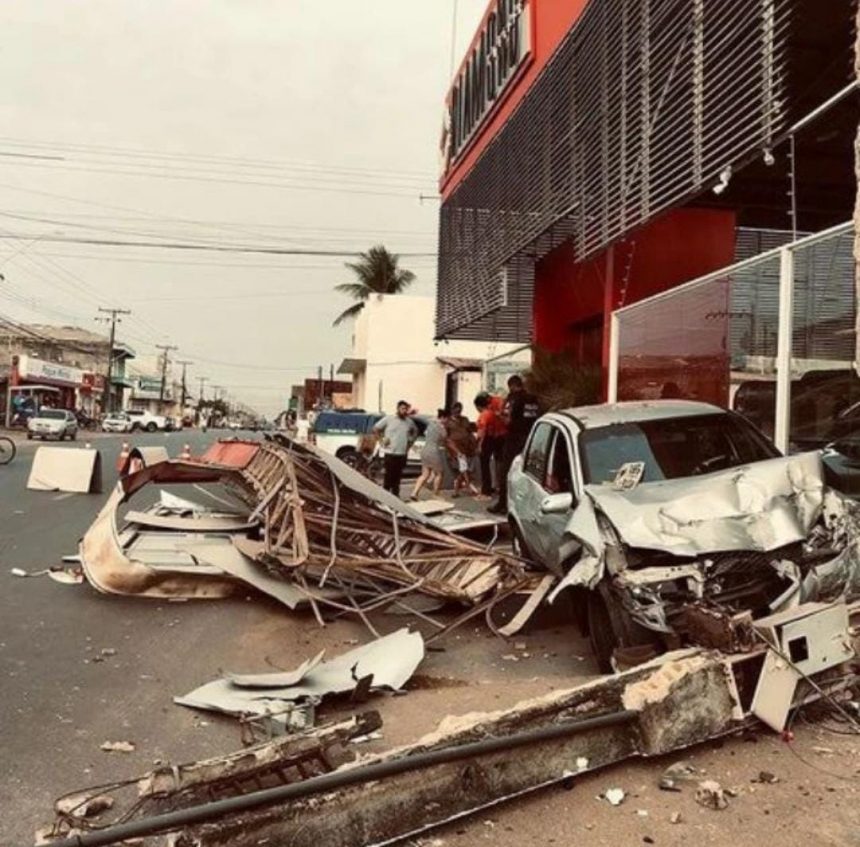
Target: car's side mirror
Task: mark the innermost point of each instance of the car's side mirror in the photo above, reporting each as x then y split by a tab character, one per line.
557	504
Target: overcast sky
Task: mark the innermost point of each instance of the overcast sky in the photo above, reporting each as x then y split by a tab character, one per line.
278	123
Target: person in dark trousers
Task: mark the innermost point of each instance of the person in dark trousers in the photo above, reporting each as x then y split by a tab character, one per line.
491	439
397	433
520	412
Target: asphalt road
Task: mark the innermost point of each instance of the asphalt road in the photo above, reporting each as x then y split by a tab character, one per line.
57	705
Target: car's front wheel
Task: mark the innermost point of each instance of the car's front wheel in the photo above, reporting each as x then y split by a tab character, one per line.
351	457
611	627
151	427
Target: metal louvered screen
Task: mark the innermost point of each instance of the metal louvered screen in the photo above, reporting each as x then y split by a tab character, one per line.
719	338
644	104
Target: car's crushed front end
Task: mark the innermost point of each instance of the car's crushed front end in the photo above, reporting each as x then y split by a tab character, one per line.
743	543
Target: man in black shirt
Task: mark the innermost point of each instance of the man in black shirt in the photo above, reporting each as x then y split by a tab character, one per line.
520	412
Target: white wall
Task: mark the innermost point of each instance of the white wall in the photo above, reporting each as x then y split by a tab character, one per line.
394	334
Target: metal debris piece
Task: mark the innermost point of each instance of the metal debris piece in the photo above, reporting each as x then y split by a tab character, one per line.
76	470
388	662
334	537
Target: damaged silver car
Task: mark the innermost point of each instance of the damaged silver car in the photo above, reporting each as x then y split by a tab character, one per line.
676	521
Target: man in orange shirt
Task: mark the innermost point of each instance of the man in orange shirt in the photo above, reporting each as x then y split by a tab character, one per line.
491	438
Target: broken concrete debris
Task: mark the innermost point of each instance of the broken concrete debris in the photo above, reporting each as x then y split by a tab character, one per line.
171	788
386	663
614	796
307	530
118	746
469	762
710	794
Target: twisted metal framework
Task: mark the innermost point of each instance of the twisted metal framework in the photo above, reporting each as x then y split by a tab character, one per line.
645	104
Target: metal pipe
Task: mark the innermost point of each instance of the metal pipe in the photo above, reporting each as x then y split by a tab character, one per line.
333	781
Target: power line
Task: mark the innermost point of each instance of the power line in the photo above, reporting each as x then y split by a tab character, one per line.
216	248
324	188
209	158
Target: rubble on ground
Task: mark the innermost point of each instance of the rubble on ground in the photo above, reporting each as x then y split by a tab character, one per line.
307	530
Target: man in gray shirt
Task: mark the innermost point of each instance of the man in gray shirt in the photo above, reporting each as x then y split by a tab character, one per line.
397	433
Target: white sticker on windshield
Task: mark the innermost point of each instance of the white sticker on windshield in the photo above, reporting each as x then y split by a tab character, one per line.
628	476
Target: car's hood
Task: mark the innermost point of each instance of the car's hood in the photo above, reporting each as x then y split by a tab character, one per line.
761	506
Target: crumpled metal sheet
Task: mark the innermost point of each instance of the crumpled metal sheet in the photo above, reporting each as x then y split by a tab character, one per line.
761	506
390	661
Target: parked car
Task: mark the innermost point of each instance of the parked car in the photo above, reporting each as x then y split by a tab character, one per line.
53	423
141	419
117	422
341	434
648	512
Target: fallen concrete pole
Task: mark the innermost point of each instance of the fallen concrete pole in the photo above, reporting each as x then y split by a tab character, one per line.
469	763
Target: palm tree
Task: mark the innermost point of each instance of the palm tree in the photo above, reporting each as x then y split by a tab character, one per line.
377	272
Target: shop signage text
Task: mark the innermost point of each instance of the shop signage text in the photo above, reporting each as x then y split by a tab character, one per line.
500	49
36	369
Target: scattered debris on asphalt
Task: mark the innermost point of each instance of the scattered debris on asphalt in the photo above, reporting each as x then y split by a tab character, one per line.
118	746
170	788
676	775
710	794
614	796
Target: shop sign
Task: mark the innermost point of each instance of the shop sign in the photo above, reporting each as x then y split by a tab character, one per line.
38	369
94	382
149	388
500	49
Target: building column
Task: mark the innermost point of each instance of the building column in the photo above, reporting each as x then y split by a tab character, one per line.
857	210
610	302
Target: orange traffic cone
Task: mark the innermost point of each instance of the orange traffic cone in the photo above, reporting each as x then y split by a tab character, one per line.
123	456
185	455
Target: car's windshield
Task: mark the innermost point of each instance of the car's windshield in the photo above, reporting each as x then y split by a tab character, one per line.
52	414
672	448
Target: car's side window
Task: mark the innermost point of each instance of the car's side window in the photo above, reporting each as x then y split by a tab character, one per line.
559	471
537	452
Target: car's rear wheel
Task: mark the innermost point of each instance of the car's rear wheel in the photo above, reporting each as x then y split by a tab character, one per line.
151	427
74	436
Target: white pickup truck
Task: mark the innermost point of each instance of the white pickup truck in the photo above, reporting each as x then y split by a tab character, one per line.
141	419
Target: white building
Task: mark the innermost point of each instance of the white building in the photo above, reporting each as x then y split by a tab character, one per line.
394	357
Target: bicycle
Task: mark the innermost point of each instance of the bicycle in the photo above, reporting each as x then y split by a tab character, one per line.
7	450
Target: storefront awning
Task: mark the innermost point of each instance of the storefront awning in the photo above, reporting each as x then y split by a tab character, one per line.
460	364
352	366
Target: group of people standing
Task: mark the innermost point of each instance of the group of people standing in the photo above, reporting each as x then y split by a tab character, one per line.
451	439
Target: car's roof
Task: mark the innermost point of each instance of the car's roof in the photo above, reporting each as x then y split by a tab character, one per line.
606	414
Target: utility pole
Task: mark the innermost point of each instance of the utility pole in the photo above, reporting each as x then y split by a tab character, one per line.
202	380
166	348
185	363
114	317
